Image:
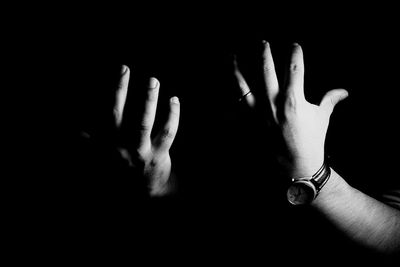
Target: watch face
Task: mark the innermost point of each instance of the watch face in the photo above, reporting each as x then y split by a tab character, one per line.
300	192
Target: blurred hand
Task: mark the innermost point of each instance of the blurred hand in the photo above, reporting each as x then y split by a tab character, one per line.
301	126
152	154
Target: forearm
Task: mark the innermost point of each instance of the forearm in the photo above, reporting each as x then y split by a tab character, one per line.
361	217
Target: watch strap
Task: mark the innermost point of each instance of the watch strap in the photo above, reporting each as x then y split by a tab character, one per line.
321	177
318	179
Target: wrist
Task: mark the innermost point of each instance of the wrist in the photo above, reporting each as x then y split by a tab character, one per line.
303	167
305	189
163	186
334	188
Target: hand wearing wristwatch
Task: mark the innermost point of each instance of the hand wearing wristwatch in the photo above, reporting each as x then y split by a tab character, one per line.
305	189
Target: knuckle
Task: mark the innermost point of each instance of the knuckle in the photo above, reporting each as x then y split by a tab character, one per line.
167	134
290	106
145	126
157	159
154	162
294	68
144	129
290	101
267	67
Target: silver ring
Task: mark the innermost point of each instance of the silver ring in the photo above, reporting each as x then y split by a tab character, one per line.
245	95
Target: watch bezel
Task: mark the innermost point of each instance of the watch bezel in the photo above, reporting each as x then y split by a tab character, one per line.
308	184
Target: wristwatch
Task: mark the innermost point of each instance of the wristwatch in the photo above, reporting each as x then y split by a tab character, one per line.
305	189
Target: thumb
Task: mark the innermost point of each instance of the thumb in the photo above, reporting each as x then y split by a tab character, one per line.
331	98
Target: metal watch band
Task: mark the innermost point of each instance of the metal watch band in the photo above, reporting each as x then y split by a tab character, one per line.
321	177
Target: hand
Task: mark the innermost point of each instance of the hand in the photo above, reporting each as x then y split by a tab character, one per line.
301	126
153	153
146	154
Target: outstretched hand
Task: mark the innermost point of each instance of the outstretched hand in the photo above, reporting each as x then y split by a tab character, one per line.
301	125
152	153
132	140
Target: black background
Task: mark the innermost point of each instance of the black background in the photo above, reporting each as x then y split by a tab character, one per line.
230	206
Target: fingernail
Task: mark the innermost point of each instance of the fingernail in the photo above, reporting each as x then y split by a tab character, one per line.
124	69
175	100
153	83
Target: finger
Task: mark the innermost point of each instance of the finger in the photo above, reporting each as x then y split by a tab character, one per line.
150	107
295	75
331	98
120	95
165	138
245	93
270	78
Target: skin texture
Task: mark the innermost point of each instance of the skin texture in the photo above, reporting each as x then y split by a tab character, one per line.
302	127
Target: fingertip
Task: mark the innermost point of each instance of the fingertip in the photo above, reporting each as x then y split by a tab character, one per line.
342	94
174	100
345	93
296	47
153	83
333	97
235	63
267	55
124	69
266	46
